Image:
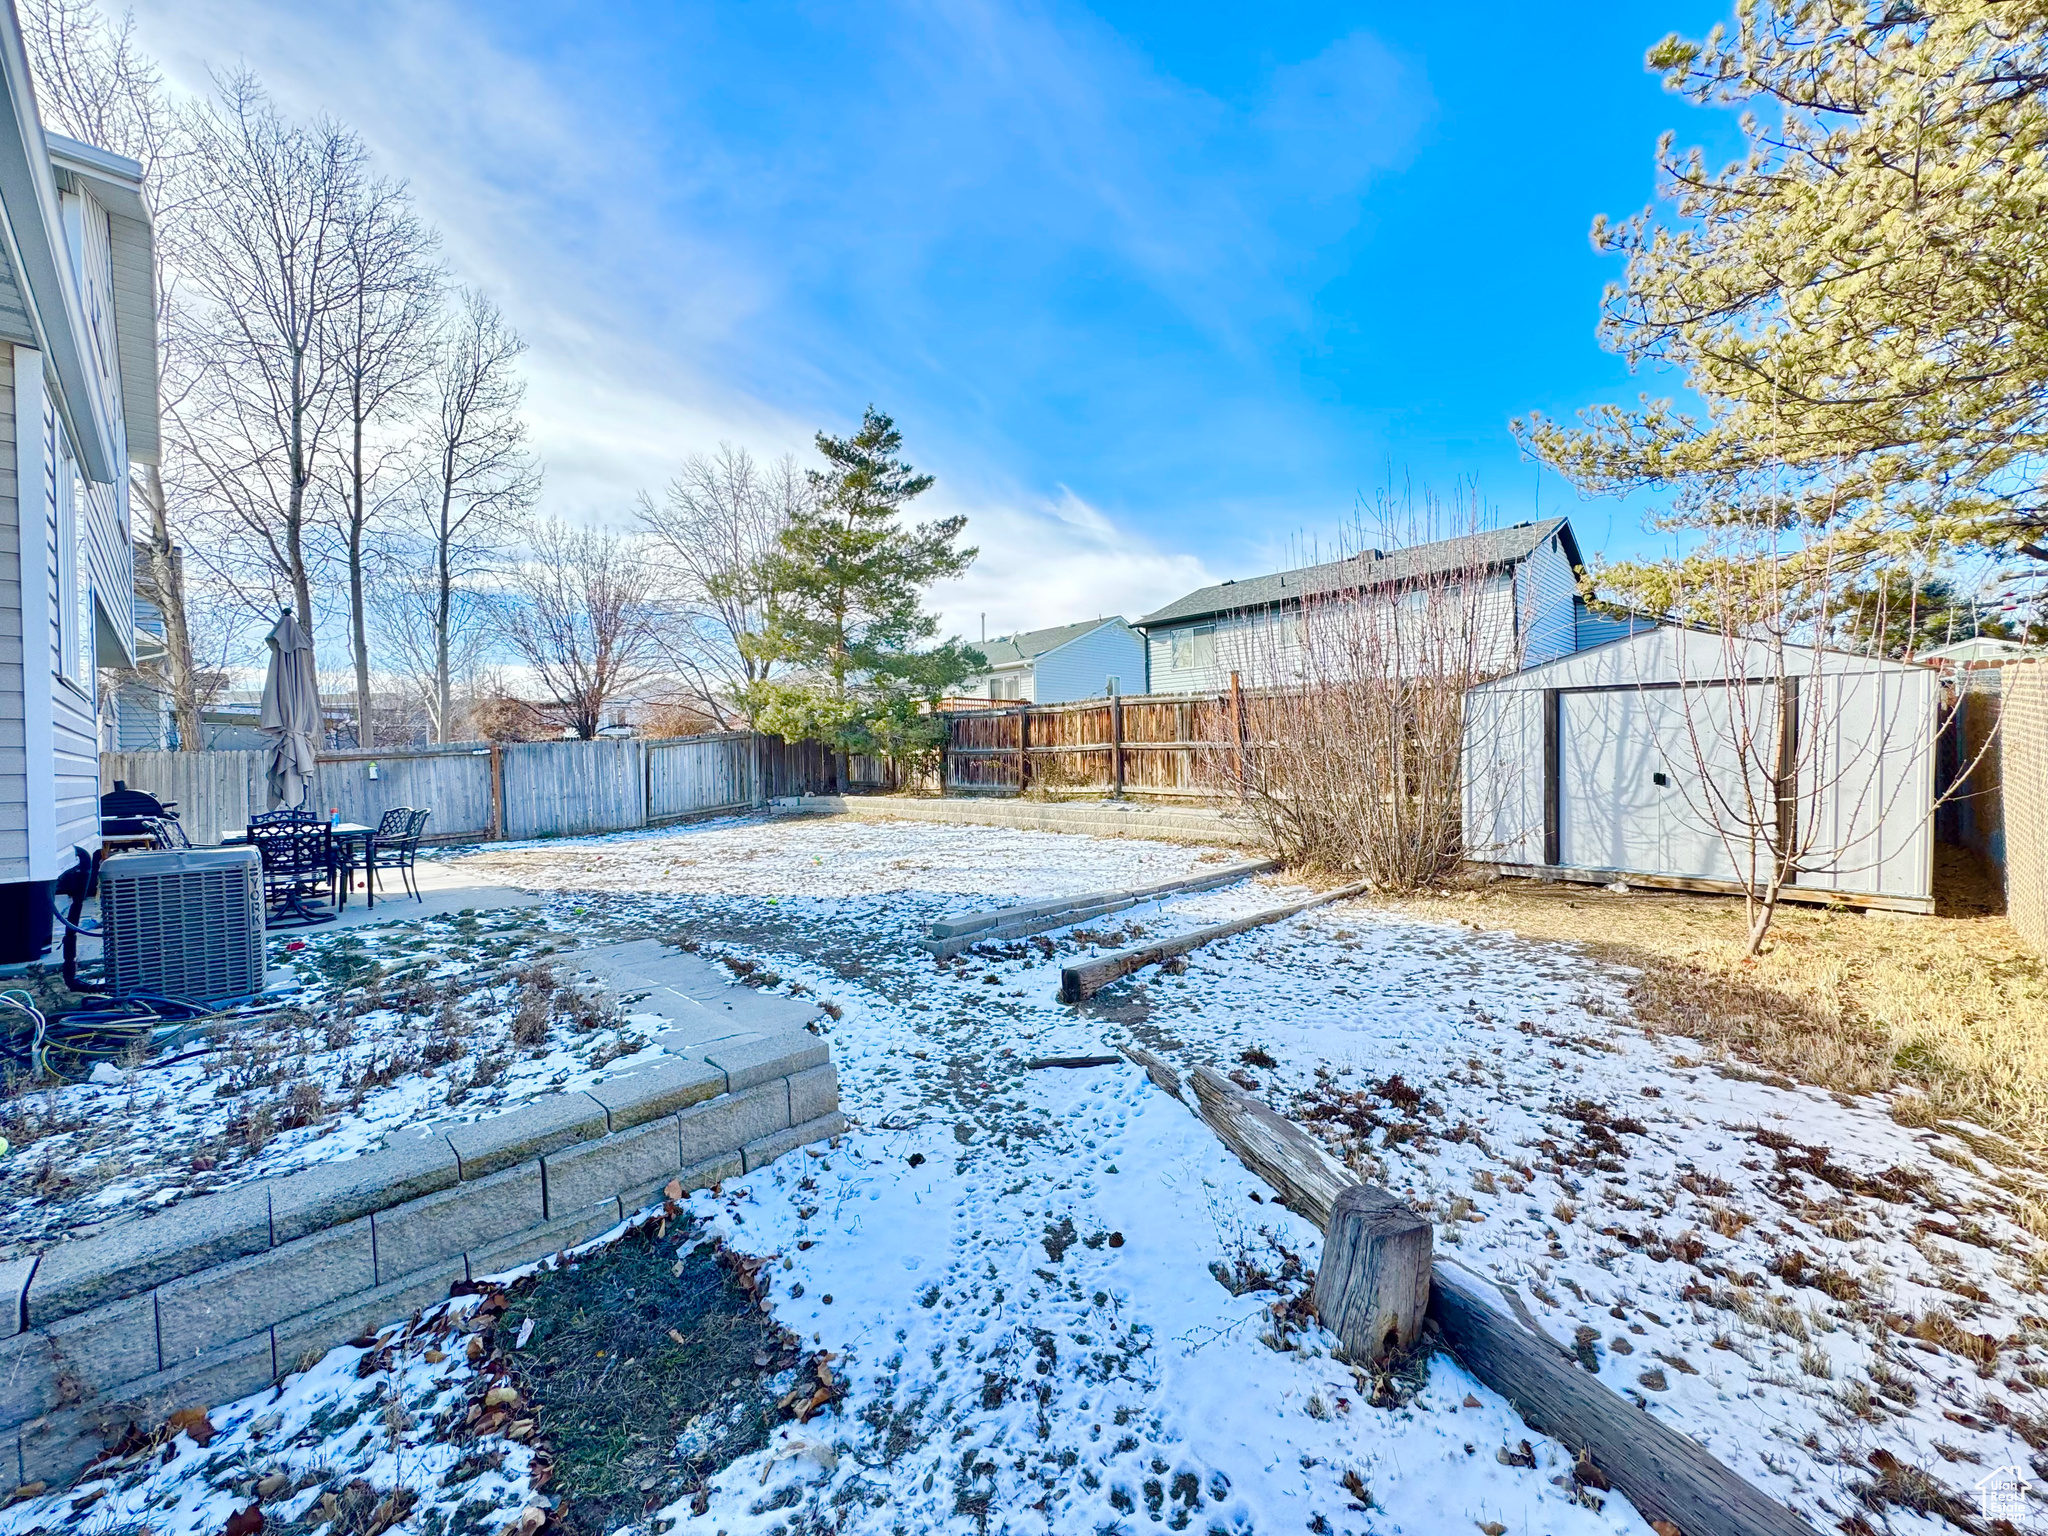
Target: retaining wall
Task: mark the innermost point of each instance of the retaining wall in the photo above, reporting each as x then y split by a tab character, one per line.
221	1295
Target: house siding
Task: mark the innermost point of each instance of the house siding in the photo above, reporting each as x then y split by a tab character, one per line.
1546	592
1080	668
74	716
14	794
1265	648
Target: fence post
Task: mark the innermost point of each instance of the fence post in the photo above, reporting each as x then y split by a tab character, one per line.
1237	731
1116	745
497	792
1023	747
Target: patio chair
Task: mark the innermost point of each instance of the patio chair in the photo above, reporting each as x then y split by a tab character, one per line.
390	833
398	853
284	816
298	871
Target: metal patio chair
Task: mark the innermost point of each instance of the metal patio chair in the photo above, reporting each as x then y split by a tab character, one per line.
299	871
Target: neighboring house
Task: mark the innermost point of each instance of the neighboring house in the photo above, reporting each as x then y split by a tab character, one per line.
135	706
78	400
1250	627
1051	666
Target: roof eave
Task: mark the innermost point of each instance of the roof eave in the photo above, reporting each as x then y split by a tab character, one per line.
28	194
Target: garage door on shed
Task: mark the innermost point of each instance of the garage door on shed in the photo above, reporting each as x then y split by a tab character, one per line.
1631	795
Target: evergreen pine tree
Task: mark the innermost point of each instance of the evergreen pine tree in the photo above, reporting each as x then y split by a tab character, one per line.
848	619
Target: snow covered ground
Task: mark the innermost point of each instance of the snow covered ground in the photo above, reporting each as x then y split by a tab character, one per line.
1061	1305
444	1018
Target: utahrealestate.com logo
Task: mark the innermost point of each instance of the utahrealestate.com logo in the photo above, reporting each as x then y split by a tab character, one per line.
2002	1495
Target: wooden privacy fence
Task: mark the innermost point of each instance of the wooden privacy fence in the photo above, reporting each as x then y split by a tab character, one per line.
1184	745
515	790
2023	770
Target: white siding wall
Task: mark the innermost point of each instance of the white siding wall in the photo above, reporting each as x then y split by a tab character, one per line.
1079	669
1265	649
109	555
74	713
14	777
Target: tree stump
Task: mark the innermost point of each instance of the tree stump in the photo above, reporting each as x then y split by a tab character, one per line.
1373	1288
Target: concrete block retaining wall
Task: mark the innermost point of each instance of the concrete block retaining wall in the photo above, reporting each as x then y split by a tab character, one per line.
222	1294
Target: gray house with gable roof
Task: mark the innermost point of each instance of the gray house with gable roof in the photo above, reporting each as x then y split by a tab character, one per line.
1070	661
1530	572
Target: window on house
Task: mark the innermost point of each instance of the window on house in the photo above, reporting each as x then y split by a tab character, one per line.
1195	647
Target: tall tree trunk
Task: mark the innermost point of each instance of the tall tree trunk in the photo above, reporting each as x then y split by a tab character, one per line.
295	512
443	606
359	629
168	578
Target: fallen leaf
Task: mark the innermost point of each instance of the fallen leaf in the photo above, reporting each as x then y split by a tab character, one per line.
1116	1239
525	1333
434	1357
1524	1457
1492	1527
192	1422
245	1522
678	1337
529	1520
673	1189
270	1487
502	1397
1471	1401
1665	1528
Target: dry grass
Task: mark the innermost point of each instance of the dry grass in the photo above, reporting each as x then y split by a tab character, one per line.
1954	1005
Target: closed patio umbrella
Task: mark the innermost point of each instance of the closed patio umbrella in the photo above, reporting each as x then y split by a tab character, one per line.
291	711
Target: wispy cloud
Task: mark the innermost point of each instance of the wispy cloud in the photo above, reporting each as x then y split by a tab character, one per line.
1058	265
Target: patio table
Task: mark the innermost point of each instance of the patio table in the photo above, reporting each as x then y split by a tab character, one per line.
341	832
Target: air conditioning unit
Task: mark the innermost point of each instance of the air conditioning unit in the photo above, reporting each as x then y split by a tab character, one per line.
183	922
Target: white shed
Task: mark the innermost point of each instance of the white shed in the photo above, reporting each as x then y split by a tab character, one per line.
1651	758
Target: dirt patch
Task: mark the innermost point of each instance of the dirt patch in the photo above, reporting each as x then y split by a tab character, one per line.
649	1366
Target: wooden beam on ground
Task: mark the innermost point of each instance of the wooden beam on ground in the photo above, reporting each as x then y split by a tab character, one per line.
1806	894
950	935
1662	1473
1164	1078
1084	978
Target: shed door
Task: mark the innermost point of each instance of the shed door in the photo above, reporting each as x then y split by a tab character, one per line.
1615	747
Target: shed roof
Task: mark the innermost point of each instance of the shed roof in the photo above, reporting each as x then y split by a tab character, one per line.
1675	653
1029	645
1489	549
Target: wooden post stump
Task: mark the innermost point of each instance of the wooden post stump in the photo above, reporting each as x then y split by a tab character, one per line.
1373	1288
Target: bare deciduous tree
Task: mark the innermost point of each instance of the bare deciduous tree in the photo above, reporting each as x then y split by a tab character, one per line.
580	613
269	267
1352	736
719	517
380	336
478	474
405	603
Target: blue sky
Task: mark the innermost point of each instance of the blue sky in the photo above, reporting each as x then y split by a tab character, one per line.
1155	289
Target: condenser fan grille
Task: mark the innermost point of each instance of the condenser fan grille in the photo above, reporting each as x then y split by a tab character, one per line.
185	923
